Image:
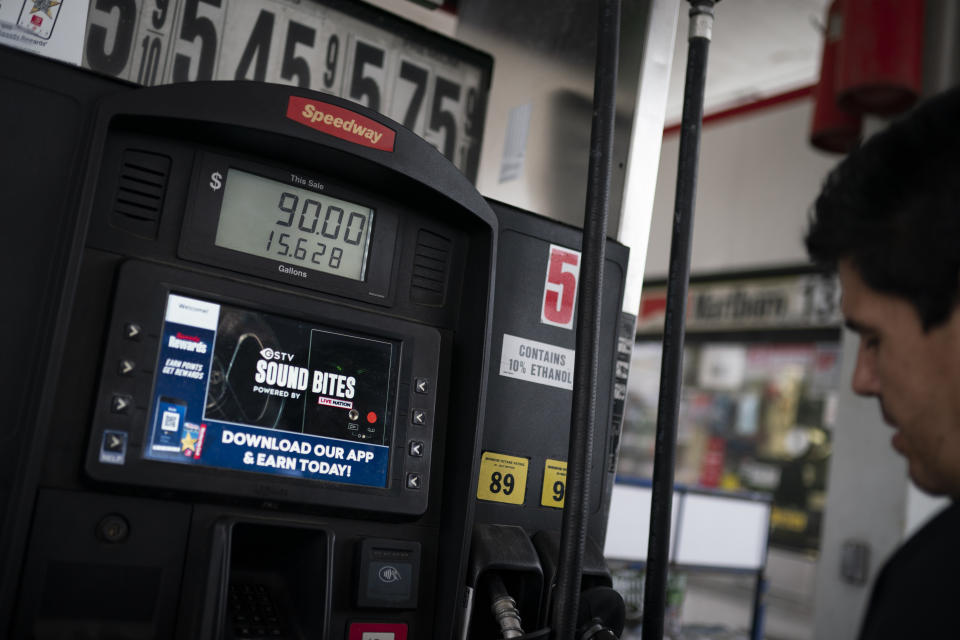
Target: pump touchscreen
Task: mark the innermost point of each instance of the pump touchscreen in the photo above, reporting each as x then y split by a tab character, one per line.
246	390
302	228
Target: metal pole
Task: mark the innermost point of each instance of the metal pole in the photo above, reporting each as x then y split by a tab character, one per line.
573	534
759	608
671	371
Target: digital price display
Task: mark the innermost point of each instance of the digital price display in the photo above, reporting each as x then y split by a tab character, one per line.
275	220
251	391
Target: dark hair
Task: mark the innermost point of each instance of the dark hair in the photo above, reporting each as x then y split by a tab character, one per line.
893	208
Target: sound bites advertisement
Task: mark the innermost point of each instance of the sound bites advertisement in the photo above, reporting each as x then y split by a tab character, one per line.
245	390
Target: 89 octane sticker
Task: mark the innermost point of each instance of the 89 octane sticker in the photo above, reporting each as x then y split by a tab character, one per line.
503	478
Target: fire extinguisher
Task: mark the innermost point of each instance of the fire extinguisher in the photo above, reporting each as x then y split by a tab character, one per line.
880	59
833	128
872	64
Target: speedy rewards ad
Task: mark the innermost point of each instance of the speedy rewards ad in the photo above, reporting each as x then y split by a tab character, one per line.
240	389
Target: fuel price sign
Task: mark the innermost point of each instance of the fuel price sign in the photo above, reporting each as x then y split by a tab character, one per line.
433	86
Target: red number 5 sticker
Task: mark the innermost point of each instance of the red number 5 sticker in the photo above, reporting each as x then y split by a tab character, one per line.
560	288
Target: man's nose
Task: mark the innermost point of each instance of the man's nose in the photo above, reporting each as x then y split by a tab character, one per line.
865	381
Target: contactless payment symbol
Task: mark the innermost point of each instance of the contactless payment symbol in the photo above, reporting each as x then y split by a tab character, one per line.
389	574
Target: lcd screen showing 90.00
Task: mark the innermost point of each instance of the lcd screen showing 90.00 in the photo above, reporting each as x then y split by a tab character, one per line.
302	228
241	389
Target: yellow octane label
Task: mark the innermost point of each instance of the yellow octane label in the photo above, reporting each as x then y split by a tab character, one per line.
503	478
554	483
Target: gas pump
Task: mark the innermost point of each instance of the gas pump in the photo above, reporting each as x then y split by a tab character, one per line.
252	414
252	425
282	372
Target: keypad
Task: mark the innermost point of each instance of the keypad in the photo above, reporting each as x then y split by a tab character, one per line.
253	612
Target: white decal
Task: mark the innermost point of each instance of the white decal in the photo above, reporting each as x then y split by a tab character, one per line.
537	362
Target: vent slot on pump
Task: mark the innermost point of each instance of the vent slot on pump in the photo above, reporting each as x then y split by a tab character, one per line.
141	186
431	263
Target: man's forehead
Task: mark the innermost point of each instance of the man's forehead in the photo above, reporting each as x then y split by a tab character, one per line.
866	309
851	285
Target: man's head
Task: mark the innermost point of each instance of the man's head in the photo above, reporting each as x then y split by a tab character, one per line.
888	219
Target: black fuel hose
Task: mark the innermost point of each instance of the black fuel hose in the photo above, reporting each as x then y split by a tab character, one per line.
580	453
671	370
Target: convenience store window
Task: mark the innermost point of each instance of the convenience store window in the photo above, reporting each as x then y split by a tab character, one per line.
758	399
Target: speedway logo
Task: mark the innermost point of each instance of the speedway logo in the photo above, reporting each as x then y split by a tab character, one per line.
341	123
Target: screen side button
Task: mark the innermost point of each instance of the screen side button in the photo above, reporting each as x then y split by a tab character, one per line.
416	449
421	386
121	403
414	481
419	416
113	447
132	331
126	367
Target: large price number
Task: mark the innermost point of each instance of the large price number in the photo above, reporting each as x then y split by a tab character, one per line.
294	68
110	55
501	483
367	69
445	94
367	82
111	38
417	76
195	27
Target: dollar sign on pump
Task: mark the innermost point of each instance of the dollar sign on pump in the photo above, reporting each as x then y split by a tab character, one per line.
215	180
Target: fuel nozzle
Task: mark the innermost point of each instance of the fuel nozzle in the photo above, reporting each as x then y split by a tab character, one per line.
504	609
601	614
